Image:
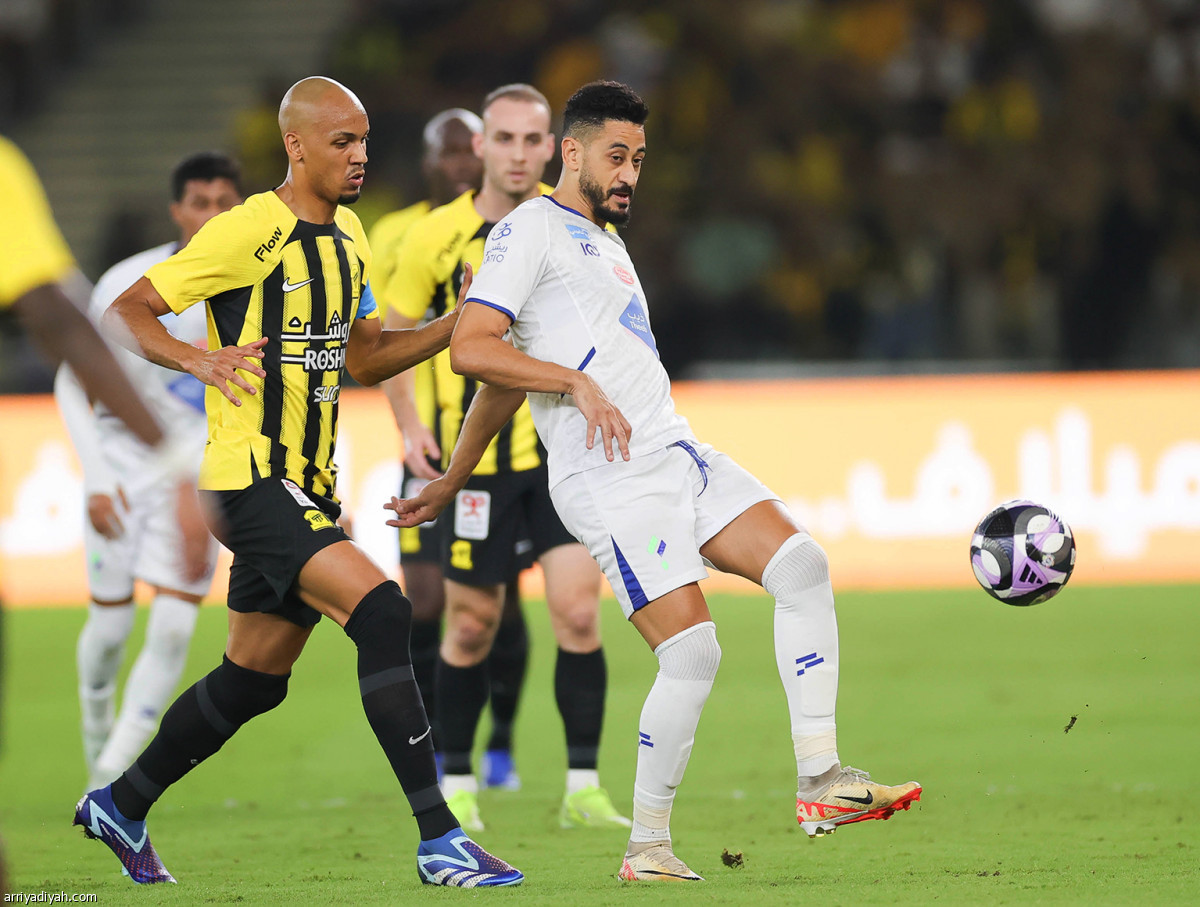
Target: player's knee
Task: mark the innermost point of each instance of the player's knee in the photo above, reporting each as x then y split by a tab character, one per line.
800	564
578	625
382	619
693	654
468	637
239	694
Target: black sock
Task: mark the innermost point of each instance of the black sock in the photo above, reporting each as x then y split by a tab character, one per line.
462	693
195	726
580	682
426	637
506	668
379	627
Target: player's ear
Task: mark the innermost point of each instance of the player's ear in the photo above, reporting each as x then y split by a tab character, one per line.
572	152
175	209
293	146
477	144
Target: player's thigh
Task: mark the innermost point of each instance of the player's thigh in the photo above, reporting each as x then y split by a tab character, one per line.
159	559
264	642
335	579
637	520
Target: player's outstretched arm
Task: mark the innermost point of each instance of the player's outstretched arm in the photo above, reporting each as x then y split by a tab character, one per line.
490	410
480	351
132	320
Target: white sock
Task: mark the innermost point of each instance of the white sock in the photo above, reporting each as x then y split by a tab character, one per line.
452	784
806	649
687	666
582	778
98	656
150	685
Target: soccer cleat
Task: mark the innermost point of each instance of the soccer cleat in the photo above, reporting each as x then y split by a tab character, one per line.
657	863
590	808
101	820
465	806
850	796
454	860
499	770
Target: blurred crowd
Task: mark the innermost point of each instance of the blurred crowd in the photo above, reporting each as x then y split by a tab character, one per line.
893	182
834	180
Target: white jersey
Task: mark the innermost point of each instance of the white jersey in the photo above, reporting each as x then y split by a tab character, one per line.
575	299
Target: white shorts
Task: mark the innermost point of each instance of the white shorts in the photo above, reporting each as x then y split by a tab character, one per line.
149	549
645	521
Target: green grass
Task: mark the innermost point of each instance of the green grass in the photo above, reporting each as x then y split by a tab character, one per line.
964	694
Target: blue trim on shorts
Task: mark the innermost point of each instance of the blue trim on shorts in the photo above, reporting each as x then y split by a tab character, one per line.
700	462
586	360
493	305
637	597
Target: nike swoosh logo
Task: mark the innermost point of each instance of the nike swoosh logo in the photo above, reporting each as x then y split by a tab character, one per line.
288	287
865	801
114	829
415	740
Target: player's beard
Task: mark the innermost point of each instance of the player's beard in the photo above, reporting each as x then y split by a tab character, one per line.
350	198
597	196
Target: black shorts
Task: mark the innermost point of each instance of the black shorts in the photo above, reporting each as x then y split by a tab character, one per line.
419	544
273	528
498	525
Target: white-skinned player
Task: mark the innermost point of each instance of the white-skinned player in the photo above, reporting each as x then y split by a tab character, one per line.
652	503
130	532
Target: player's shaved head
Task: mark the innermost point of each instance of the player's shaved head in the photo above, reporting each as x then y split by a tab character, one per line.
312	102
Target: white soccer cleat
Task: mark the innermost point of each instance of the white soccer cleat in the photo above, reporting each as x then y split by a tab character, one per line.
656	864
850	796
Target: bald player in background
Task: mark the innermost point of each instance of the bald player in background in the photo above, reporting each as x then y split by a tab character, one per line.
450	167
285	279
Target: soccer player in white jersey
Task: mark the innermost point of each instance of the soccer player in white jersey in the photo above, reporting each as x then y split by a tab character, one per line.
130	532
628	478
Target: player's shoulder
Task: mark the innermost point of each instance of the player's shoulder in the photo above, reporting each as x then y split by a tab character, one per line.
12	159
262	222
443	232
392	227
532	215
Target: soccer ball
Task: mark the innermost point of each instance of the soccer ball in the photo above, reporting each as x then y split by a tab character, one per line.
1022	553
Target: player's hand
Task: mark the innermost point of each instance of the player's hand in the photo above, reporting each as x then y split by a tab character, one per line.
219	368
425	507
104	516
603	417
193	530
419	446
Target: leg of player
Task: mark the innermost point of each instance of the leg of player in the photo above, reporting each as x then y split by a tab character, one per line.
98	656
343	583
151	682
680	630
251	679
424	588
580	682
472	617
507	663
766	545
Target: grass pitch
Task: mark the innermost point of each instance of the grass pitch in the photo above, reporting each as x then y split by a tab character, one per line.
966	695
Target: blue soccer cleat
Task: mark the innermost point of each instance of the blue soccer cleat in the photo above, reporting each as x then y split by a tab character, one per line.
456	861
499	771
100	819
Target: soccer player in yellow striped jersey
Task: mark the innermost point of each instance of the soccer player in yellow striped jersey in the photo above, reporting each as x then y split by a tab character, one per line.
506	504
285	279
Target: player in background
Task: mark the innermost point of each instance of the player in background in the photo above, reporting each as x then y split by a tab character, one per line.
505	502
450	168
34	264
285	282
652	503
130	531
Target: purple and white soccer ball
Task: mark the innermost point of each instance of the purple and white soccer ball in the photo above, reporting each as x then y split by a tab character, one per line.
1022	553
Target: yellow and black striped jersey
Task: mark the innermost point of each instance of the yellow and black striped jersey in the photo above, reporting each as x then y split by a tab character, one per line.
32	251
385	237
426	278
265	273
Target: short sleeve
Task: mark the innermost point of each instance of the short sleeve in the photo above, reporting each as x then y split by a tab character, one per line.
233	250
32	250
413	281
514	258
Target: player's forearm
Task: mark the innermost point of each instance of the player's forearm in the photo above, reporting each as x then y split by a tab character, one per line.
65	333
80	420
398	351
132	323
495	362
401	394
490	410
